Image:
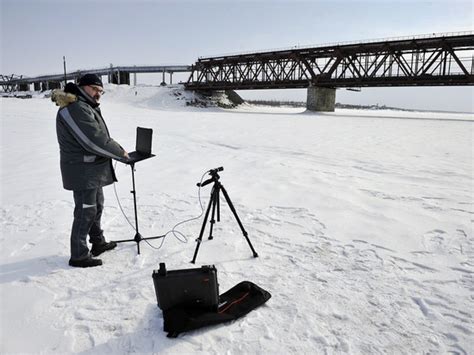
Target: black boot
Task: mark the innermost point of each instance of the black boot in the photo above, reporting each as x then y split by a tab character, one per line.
89	262
98	249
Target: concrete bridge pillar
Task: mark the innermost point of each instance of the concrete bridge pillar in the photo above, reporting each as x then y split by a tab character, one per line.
321	99
48	85
120	77
163	82
125	78
54	85
114	77
24	87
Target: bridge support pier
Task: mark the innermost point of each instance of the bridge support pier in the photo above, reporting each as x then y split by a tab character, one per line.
54	85
24	87
49	85
163	82
120	77
321	99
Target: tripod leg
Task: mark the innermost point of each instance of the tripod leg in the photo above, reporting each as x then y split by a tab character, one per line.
214	201
232	208
218	200
199	240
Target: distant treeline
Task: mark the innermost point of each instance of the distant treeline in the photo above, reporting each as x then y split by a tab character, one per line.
370	107
279	103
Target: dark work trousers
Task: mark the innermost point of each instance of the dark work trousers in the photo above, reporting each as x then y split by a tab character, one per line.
87	215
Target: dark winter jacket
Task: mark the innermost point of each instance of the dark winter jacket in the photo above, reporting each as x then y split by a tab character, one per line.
86	149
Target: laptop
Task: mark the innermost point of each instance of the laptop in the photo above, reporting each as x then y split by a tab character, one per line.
143	146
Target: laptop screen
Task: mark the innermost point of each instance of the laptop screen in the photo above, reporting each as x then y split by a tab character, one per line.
144	136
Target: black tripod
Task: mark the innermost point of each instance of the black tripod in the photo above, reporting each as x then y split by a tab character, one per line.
138	237
215	204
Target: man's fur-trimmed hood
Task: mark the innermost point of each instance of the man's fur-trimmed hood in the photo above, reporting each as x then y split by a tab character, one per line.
70	94
62	98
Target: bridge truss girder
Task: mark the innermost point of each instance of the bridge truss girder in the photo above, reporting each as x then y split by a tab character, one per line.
9	82
420	62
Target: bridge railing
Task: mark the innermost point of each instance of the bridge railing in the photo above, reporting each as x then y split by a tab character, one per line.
333	44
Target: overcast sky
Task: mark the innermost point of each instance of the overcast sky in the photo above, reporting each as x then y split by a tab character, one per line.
36	34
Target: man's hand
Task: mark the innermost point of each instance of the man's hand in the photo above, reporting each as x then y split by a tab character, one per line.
125	156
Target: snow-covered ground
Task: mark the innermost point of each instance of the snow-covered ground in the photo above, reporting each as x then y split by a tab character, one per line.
362	220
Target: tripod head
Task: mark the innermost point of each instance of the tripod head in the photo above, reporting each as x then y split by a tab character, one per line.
214	176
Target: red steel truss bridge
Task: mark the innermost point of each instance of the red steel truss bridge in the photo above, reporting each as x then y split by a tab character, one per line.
428	60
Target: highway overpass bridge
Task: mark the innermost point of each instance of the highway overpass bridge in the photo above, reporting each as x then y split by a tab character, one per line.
115	75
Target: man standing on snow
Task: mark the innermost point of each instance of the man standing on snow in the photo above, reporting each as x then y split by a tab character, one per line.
86	153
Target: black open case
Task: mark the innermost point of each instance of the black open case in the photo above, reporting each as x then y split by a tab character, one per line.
190	299
188	287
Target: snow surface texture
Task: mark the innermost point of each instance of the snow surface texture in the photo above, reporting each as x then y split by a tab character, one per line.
362	220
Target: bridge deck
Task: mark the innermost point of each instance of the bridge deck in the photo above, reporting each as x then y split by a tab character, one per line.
432	61
102	71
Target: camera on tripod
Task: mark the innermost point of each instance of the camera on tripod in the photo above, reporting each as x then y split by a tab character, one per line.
215	204
216	170
214	176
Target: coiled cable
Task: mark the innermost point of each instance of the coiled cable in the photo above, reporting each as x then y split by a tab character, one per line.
176	233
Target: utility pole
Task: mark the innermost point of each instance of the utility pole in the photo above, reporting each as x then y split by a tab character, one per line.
65	78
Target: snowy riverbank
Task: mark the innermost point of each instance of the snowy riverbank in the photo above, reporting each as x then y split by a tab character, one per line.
362	220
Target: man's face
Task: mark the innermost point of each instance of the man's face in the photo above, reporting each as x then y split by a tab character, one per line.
94	91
